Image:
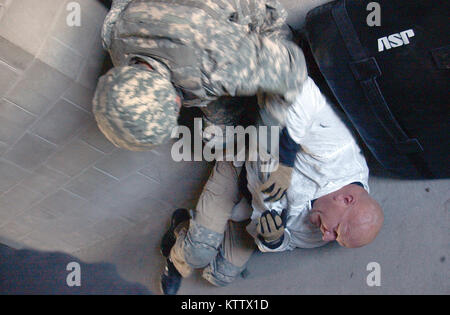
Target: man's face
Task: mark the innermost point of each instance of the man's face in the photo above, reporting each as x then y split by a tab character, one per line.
349	216
329	215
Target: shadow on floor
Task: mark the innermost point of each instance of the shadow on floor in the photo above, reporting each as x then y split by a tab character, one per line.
33	272
106	3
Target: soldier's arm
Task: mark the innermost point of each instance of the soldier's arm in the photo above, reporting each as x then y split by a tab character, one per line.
275	25
116	8
262	64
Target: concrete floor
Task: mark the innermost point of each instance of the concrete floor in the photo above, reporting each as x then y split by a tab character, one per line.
412	251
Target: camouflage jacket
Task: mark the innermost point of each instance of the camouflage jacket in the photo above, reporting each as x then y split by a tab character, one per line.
211	48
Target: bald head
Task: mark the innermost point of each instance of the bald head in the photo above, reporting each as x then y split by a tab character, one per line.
363	221
350	216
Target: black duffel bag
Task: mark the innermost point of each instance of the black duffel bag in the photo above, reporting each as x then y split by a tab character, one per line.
391	80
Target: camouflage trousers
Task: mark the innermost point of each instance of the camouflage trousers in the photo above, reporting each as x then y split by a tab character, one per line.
212	240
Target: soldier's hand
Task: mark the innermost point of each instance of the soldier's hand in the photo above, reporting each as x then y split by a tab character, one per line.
271	226
278	183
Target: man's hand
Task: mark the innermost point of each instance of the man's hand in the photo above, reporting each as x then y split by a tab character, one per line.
271	226
278	183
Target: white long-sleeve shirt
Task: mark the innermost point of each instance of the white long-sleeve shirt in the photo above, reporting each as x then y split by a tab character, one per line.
329	159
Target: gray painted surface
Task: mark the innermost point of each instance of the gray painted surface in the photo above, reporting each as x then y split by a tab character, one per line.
64	187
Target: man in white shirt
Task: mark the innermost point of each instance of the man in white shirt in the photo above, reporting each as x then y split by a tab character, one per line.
328	169
328	200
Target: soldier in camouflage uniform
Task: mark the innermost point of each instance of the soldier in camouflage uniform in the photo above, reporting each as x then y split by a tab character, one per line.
198	50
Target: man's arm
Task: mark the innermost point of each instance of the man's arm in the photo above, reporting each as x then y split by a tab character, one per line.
280	180
298	121
275	26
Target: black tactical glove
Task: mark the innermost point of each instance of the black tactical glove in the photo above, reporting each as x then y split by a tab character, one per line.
271	227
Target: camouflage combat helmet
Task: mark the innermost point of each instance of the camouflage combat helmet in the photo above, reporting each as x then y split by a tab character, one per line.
135	108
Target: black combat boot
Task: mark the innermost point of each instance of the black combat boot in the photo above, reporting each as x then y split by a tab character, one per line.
179	216
171	278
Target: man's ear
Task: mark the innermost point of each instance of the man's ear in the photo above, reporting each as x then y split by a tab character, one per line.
345	198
